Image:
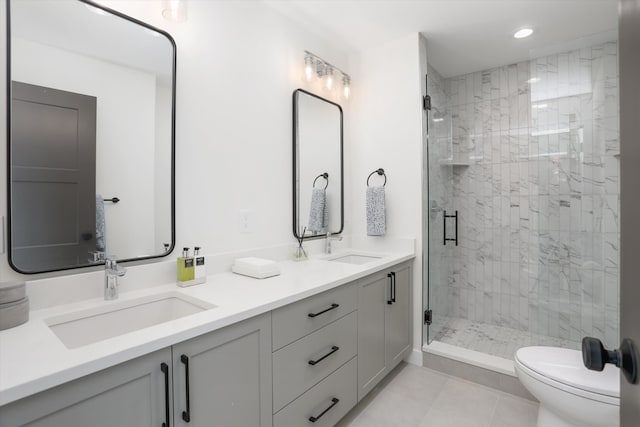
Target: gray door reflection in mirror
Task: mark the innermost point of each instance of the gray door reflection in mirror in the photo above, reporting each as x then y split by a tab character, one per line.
128	68
53	174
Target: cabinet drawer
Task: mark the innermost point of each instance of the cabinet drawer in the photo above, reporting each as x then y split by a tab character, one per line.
340	385
302	364
303	317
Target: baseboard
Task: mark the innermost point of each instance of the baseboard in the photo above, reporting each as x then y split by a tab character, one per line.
414	357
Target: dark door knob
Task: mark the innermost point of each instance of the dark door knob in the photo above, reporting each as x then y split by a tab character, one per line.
87	236
595	357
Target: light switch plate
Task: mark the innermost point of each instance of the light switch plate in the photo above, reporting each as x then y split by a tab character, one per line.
245	221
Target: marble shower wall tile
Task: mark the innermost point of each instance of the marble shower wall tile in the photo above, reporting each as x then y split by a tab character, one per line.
539	204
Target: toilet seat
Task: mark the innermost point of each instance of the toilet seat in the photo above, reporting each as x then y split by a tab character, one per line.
563	369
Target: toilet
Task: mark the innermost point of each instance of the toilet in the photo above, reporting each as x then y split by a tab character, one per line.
570	395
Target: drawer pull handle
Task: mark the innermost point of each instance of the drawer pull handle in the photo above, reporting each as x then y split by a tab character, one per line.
186	415
165	370
334	402
390	300
315	362
334	305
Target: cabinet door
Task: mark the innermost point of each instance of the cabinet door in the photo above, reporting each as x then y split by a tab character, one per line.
398	317
373	292
131	394
229	377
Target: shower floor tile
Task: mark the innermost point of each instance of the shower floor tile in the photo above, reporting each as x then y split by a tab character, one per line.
498	341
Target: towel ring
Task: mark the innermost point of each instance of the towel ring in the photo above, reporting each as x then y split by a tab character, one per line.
322	175
379	172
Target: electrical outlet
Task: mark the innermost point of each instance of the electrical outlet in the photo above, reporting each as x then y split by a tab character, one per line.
245	221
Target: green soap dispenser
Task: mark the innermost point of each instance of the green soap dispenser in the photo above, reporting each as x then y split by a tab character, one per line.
186	269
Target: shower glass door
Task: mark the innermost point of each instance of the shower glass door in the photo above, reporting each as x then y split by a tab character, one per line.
440	161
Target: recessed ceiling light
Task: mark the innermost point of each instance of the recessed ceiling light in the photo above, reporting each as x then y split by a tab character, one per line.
522	33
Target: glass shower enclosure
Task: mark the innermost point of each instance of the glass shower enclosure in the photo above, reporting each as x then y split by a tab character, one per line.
521	203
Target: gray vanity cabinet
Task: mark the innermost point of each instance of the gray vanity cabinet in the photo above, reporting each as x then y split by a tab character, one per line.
372	302
131	394
229	377
306	363
315	359
229	385
384	324
398	316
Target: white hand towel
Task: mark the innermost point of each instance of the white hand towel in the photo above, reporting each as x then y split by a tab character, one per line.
317	210
376	215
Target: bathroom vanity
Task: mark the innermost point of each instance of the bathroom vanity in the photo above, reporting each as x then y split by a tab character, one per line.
300	348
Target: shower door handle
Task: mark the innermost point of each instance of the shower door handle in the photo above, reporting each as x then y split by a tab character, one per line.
444	220
456	238
444	223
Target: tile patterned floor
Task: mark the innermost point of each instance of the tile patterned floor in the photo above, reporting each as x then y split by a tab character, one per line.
412	396
496	340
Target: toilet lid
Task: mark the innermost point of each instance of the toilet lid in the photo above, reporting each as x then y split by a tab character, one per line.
565	366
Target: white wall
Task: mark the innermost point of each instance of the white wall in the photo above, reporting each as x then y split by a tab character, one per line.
238	65
162	175
386	131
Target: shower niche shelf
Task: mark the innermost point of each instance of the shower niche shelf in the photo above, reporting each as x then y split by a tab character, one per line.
454	163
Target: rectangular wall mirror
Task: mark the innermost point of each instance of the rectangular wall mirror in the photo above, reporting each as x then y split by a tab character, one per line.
318	200
91	113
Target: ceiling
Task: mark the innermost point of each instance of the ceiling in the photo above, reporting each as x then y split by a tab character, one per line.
462	35
79	28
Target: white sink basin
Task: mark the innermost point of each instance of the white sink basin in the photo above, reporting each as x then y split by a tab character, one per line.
355	259
89	326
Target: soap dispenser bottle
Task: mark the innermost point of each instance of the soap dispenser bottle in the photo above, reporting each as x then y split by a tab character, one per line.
186	269
200	268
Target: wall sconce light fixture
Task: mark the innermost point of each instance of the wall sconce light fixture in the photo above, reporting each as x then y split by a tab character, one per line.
346	86
174	10
308	67
316	67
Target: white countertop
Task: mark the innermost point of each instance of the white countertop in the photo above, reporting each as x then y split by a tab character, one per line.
33	359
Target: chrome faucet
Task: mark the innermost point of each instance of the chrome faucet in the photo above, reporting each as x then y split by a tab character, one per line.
327	248
111	273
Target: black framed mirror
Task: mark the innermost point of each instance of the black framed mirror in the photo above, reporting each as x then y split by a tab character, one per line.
318	171
91	136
